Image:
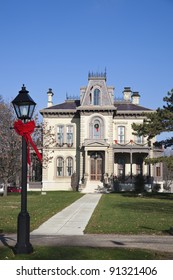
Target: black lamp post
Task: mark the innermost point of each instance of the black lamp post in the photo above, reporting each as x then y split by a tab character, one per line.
24	107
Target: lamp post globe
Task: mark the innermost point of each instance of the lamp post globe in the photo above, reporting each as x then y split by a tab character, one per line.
24	107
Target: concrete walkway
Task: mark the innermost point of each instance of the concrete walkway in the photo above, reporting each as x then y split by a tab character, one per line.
148	242
72	220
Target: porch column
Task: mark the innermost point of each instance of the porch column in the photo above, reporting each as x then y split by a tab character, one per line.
86	162
106	162
81	165
131	162
110	161
149	169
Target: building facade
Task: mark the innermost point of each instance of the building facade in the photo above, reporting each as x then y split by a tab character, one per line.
93	139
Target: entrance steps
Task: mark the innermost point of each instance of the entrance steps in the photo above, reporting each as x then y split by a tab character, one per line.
93	187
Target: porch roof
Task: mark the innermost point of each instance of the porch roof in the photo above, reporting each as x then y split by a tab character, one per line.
131	149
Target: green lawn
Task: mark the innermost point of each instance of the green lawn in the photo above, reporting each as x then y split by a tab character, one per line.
84	253
40	207
115	213
126	214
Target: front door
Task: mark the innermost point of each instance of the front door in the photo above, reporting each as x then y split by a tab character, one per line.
96	167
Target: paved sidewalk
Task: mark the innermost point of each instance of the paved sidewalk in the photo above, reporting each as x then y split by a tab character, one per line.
149	242
72	220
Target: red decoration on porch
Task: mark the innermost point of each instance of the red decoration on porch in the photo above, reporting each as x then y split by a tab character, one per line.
25	129
96	126
131	141
116	142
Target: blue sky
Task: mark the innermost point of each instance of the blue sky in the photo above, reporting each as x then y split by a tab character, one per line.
55	43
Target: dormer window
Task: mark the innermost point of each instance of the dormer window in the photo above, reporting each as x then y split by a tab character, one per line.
90	96
96	96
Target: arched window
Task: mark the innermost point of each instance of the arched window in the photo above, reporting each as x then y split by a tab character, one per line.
96	96
69	166
90	98
96	128
60	167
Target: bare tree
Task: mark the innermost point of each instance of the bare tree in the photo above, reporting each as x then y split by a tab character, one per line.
49	143
10	146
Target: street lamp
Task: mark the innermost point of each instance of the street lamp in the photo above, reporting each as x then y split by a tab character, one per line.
24	107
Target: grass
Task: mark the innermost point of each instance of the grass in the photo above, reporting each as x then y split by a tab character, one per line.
115	213
126	214
84	253
40	208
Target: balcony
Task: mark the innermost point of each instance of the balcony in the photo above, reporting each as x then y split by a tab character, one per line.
131	145
69	145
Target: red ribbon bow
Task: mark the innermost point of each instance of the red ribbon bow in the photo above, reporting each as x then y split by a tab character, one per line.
25	129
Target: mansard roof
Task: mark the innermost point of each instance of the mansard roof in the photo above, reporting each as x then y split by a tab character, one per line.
95	97
130	107
74	106
68	104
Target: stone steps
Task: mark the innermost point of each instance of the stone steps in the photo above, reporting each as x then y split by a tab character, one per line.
92	187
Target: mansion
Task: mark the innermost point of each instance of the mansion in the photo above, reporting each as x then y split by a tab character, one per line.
93	139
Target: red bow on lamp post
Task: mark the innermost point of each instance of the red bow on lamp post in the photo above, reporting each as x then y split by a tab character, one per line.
25	130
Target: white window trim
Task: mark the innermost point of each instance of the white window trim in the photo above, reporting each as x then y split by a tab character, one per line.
121	141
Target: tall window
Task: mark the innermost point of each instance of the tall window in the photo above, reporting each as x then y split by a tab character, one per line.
96	128
90	97
96	97
139	166
158	170
60	166
70	135
69	166
139	139
121	167
121	134
60	134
